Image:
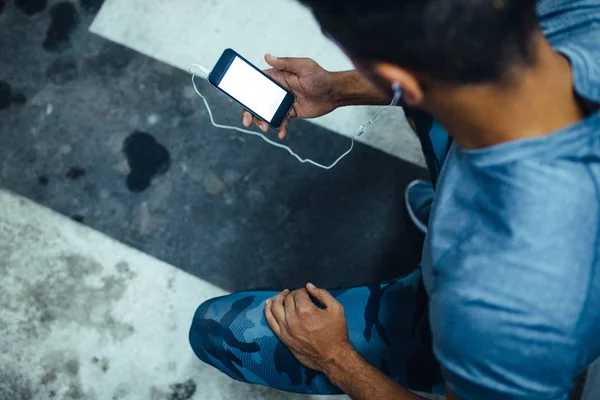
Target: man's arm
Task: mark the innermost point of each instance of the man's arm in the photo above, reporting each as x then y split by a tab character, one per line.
318	338
361	381
354	90
318	92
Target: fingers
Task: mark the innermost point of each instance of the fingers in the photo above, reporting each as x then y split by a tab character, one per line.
277	307
276	62
271	72
322	295
246	118
273	324
290	64
263	126
290	307
283	129
302	301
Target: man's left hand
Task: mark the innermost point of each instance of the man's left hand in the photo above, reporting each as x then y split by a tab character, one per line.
315	336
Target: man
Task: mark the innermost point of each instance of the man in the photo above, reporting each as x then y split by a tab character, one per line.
511	259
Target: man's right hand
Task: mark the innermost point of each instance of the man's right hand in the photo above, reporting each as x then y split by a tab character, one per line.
313	86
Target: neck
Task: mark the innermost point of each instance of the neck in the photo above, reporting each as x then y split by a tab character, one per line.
537	101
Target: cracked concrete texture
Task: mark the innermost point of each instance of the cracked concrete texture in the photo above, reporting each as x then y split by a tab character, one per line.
85	317
119	142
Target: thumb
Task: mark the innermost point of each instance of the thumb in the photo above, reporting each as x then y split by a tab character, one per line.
322	295
290	64
281	64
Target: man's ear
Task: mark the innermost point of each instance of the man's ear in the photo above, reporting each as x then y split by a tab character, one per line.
412	93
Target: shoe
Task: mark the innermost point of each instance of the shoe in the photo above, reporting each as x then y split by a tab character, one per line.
418	197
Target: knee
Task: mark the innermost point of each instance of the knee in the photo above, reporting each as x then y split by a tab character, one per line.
216	334
216	320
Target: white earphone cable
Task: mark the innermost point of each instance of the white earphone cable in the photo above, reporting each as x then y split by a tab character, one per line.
359	132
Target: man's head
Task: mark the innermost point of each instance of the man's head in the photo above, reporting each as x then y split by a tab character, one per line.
449	41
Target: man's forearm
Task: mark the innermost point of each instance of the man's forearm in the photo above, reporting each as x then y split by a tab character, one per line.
361	381
354	90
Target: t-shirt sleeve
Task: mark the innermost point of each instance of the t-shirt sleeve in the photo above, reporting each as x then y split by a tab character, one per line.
573	28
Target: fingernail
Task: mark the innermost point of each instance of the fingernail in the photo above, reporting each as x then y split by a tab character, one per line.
272	56
311	286
264	127
286	290
268	301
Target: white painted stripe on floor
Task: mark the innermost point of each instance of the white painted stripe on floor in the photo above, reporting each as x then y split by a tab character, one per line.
83	313
183	32
592	385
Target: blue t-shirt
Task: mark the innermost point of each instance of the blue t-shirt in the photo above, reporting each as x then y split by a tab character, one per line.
512	259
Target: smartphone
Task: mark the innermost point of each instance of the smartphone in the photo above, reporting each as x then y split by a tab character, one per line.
251	88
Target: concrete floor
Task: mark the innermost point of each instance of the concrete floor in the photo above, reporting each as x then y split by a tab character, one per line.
83	316
116	141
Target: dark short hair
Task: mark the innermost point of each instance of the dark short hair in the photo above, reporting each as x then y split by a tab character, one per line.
458	41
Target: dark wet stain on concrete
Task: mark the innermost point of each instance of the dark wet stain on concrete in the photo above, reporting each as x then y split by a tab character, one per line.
49	377
75	173
18	99
43	180
5	95
31	7
146	158
72	367
101	363
125	270
182	391
78	218
91	6
64	21
2	5
75	392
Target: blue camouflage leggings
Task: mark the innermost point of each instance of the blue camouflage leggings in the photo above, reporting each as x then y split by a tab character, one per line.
388	325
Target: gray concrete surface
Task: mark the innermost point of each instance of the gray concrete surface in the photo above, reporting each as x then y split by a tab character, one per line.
592	386
118	141
83	317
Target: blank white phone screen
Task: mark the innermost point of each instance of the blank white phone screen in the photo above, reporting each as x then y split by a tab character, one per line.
252	89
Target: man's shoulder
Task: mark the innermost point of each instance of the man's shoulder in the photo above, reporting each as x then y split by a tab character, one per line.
568	16
537	207
573	28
